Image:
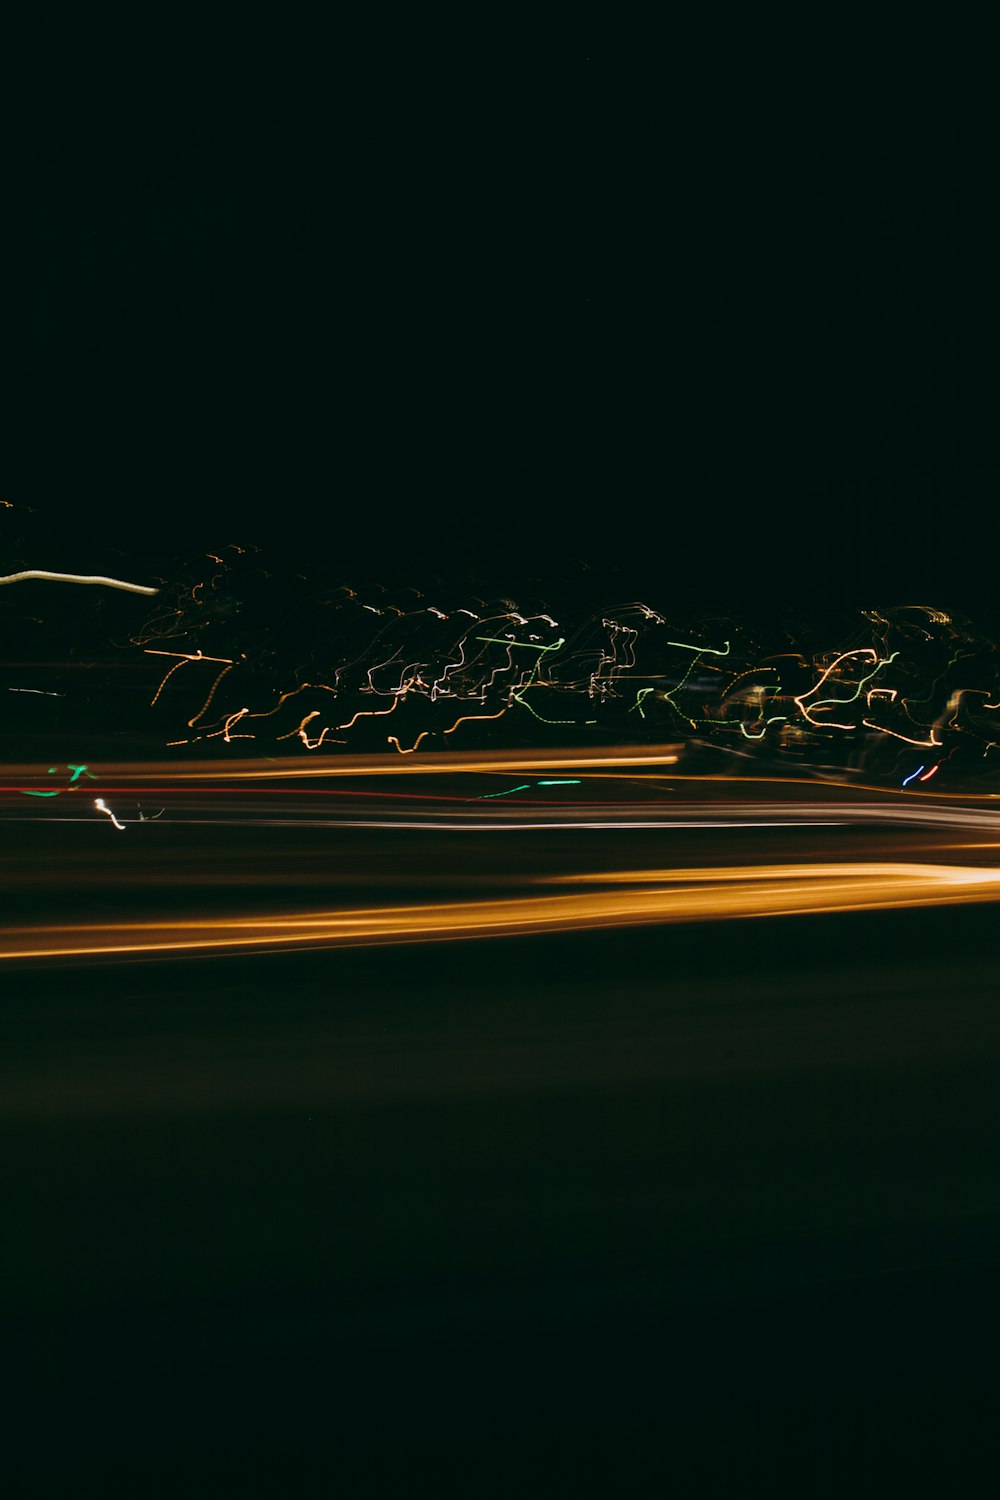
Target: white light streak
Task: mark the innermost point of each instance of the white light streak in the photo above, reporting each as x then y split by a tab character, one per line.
101	807
111	583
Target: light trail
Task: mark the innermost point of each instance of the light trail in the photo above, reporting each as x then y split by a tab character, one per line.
392	740
462	824
651	898
183	658
475	718
110	583
437	764
260	802
99	803
800	699
904	737
605	656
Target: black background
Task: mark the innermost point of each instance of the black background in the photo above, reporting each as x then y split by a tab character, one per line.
714	319
706	322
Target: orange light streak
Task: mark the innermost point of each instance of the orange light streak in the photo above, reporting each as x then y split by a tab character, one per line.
226	728
653	897
184	657
474	718
267	713
170	672
301	732
374	713
211	695
166	773
392	740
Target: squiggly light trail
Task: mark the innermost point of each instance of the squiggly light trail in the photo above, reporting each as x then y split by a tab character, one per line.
495	664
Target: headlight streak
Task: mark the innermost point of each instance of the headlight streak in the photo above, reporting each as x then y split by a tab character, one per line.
268	779
560	818
568	758
457	808
651	898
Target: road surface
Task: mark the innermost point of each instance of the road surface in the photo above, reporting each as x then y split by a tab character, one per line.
607	1206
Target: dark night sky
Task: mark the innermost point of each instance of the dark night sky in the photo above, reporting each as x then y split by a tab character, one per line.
717	326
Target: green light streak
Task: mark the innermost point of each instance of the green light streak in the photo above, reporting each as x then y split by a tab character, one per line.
497	640
669	695
541	717
526	786
516	697
78	771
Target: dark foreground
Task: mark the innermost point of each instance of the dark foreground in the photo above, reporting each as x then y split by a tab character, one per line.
702	1206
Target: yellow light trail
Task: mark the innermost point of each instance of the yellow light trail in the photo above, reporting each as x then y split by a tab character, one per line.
184	657
211	695
652	897
372	713
392	740
474	718
110	583
167	773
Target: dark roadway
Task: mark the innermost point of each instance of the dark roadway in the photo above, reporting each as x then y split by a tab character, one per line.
690	1205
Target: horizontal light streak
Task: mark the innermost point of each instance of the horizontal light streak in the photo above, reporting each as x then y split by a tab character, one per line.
99	578
444	764
155	777
460	825
946	875
653	897
452	810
